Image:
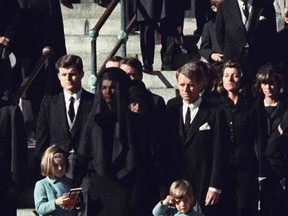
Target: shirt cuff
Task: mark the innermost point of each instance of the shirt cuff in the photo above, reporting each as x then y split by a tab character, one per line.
219	191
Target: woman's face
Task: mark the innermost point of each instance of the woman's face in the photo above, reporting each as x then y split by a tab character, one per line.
270	90
231	79
108	90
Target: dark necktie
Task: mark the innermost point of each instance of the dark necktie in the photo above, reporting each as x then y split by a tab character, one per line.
245	9
187	120
71	111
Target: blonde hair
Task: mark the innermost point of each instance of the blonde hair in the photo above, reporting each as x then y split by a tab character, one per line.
180	189
47	162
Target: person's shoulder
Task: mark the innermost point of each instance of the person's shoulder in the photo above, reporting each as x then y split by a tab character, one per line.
174	102
87	94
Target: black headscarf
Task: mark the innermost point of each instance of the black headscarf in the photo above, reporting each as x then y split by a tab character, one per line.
122	158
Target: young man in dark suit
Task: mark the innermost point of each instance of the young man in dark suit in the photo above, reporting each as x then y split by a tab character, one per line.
61	116
195	139
245	30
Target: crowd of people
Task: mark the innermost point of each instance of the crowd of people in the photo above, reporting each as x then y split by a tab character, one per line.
217	148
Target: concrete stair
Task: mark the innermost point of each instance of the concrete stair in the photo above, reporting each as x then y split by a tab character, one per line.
84	16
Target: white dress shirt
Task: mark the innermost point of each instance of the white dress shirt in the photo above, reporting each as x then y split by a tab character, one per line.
77	97
194	107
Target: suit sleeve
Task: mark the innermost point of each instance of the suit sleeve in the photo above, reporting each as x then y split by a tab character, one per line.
42	129
19	147
220	27
206	45
218	151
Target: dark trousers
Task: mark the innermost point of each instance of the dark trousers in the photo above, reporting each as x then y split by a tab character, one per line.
203	13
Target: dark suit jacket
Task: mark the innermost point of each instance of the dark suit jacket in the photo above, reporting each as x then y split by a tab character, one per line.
209	43
13	156
198	155
233	36
52	124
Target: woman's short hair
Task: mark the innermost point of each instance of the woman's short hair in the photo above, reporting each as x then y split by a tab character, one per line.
229	64
180	189
47	162
267	74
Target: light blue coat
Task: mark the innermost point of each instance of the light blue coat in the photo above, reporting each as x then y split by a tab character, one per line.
45	193
165	210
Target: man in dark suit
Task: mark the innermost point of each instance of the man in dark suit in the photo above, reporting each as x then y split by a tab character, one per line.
12	23
133	67
209	47
194	138
13	157
61	116
245	30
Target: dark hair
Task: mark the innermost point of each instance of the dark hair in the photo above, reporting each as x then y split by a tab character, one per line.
267	74
229	64
194	69
132	62
115	58
68	61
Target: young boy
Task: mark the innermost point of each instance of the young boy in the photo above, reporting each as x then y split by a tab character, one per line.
180	201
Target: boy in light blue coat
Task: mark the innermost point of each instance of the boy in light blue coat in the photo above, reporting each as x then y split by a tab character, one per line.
179	201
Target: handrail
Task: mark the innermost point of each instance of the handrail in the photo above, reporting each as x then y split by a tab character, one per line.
119	43
46	52
93	34
105	15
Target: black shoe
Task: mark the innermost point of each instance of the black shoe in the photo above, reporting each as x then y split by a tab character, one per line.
147	69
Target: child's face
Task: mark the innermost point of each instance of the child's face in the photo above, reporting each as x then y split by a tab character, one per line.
59	167
183	205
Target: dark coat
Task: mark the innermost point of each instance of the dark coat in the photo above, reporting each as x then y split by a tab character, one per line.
13	157
117	167
209	43
263	129
199	156
233	36
52	125
241	175
150	10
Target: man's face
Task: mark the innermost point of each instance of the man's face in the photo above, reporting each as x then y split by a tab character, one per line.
70	79
189	89
133	74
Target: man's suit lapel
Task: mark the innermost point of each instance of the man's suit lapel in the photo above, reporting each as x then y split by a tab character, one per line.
83	110
236	14
199	120
255	15
59	110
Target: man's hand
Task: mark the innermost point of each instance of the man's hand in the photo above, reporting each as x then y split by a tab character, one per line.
212	198
217	57
4	41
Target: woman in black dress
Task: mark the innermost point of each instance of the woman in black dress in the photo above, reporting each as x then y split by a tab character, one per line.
267	113
114	152
240	191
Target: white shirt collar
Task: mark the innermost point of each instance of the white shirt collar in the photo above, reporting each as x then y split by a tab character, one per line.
196	104
76	96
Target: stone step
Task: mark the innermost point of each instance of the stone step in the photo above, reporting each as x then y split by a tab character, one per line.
79	20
